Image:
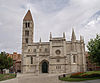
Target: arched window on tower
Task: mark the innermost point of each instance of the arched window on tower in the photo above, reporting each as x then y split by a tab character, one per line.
26	33
74	59
26	40
28	24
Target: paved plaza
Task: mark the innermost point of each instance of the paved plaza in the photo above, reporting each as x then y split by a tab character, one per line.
43	78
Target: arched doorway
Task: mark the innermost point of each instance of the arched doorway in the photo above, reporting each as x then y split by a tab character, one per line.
44	67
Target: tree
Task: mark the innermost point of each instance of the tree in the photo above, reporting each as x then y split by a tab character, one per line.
94	49
5	61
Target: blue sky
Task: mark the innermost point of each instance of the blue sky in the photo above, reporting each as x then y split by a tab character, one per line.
56	16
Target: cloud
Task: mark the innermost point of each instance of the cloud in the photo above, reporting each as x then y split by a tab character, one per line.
56	16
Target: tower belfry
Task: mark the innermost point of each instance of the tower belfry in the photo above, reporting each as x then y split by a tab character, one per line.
28	27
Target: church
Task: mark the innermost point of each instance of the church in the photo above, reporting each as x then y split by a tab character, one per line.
54	57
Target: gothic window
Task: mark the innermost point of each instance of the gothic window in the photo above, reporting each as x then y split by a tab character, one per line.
26	40
26	33
31	60
74	59
28	24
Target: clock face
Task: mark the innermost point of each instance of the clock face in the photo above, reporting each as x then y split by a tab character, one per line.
58	52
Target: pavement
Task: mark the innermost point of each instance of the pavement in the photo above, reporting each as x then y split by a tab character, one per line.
42	78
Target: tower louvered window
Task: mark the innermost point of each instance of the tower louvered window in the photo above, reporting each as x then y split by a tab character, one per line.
27	24
26	40
26	33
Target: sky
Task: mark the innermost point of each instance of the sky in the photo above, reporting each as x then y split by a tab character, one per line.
55	16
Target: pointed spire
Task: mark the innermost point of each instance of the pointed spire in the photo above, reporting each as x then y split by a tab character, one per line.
81	38
28	16
63	34
73	36
40	39
50	35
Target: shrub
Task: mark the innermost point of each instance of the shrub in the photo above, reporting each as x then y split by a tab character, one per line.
76	75
90	75
6	76
84	75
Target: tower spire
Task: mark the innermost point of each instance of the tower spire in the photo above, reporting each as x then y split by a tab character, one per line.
73	36
28	16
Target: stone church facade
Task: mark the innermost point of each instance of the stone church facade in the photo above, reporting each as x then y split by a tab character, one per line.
55	56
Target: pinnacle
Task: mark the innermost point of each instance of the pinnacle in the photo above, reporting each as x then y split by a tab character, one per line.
73	35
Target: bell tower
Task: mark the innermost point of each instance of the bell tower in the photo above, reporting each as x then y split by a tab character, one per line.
27	34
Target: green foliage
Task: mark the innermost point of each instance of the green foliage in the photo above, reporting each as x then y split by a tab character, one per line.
92	72
5	61
6	76
94	49
10	62
90	75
